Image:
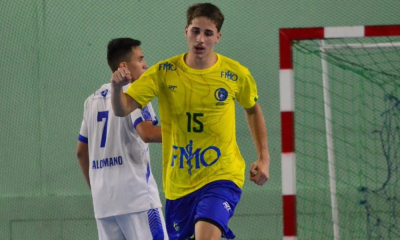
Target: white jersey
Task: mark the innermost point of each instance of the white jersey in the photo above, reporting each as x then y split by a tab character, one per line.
120	176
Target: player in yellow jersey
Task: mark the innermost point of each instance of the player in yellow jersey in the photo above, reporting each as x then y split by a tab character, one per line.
203	170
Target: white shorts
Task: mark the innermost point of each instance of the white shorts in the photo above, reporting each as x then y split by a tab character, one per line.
147	225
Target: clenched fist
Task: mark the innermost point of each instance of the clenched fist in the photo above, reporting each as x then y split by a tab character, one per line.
121	77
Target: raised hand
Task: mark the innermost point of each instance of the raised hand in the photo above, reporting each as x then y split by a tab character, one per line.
121	77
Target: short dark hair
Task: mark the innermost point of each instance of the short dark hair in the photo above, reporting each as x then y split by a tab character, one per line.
119	50
207	10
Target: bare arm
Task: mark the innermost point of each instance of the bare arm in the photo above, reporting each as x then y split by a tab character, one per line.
149	132
122	103
259	171
82	152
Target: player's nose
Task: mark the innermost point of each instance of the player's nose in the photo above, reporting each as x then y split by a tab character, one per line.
200	38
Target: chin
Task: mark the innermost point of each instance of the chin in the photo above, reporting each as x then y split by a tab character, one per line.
200	56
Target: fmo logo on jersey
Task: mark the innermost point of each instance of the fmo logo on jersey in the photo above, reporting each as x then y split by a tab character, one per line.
186	154
166	66
229	75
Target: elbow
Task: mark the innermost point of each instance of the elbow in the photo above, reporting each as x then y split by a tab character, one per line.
149	134
149	138
146	139
79	154
153	139
144	135
82	153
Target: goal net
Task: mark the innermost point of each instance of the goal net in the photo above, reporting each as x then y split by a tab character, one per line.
345	113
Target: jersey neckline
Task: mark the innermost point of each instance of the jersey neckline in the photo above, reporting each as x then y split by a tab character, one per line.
188	69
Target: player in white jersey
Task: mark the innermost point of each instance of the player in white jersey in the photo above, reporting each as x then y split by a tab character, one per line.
114	157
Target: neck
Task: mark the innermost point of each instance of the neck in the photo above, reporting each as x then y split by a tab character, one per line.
201	63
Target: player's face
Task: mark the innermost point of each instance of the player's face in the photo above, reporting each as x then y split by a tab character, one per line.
202	35
137	65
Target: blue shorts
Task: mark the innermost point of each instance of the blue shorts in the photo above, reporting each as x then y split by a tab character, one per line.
213	203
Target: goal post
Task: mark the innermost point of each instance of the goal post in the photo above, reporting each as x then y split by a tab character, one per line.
340	154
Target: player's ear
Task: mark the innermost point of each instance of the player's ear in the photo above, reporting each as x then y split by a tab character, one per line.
219	34
186	30
123	65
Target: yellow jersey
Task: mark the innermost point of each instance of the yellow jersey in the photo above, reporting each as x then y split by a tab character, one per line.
197	111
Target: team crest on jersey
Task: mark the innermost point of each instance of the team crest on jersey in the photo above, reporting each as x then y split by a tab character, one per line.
221	95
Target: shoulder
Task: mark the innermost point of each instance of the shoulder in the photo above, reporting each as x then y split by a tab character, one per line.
169	64
233	69
233	64
102	92
173	60
163	66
